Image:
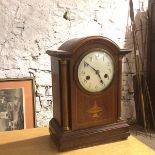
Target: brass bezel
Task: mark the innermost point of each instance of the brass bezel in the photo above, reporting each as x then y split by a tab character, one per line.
78	63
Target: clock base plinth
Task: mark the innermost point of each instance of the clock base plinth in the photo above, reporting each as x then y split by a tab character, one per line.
67	140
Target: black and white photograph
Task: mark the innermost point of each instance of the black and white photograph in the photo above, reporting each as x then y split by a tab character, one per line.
11	109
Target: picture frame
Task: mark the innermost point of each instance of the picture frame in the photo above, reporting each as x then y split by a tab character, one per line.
17	103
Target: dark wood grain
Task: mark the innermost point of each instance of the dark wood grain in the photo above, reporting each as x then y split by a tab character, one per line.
73	105
122	52
151	53
59	53
64	93
87	137
56	89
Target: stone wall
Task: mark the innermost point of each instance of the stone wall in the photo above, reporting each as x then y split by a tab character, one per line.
29	27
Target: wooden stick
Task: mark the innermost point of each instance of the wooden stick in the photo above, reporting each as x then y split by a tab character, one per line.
137	66
145	82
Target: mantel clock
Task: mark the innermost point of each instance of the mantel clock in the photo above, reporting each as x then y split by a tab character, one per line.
86	83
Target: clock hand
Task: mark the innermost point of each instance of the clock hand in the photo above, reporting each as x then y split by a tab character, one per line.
96	71
85	63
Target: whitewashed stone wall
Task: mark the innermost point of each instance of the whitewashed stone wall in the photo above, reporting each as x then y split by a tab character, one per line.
29	27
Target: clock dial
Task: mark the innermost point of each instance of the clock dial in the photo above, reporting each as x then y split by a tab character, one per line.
96	70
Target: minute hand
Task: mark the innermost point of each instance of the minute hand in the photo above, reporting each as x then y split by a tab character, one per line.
96	71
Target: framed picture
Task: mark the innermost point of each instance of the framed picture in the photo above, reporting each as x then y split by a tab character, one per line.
17	104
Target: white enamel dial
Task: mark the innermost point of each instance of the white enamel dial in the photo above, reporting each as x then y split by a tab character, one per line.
96	70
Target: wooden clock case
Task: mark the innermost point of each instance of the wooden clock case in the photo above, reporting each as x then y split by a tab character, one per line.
81	118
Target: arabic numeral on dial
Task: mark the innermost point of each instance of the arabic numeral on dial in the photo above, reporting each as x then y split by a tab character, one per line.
96	87
108	63
97	56
90	58
84	64
85	81
83	73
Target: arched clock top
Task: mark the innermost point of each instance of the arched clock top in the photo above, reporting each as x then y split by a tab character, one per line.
67	49
74	44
